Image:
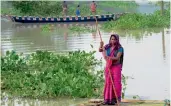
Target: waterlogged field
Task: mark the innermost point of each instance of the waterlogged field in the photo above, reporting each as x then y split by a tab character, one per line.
58	61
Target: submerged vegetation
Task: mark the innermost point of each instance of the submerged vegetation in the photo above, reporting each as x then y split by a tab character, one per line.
137	21
73	30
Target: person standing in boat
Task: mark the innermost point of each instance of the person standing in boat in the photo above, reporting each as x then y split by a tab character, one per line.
78	10
113	54
65	7
93	7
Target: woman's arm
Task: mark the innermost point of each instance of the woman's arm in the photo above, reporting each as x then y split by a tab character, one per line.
120	52
117	57
104	54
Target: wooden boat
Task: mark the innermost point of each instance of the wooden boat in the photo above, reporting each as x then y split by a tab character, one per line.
32	19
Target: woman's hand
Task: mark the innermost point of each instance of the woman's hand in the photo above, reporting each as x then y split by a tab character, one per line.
101	47
101	44
108	57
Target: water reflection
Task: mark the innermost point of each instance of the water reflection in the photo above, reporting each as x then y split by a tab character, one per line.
66	32
43	102
163	45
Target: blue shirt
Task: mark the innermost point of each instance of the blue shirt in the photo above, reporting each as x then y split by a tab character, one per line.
115	54
77	12
120	61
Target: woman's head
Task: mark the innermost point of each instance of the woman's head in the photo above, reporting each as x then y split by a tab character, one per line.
114	40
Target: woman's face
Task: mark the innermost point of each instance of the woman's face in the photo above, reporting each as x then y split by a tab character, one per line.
112	40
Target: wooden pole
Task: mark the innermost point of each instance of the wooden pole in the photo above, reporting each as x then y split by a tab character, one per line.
110	65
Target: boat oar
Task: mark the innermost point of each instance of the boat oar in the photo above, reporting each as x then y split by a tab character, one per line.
109	64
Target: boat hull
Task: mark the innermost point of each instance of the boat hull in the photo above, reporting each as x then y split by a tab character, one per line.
32	19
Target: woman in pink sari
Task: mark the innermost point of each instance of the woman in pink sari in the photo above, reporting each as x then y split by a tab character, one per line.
113	54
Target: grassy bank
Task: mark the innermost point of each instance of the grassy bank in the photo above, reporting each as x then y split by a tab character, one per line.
138	21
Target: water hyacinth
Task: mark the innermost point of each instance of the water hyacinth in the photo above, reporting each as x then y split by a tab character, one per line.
45	74
138	21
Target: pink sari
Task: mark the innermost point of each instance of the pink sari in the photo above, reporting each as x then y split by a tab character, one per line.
115	70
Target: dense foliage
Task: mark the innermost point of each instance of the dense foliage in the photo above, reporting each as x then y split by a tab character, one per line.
37	8
137	21
45	74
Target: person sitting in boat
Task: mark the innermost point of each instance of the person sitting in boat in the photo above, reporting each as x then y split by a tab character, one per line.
64	6
93	7
78	11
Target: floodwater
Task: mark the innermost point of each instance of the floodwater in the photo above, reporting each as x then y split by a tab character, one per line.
147	54
43	102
